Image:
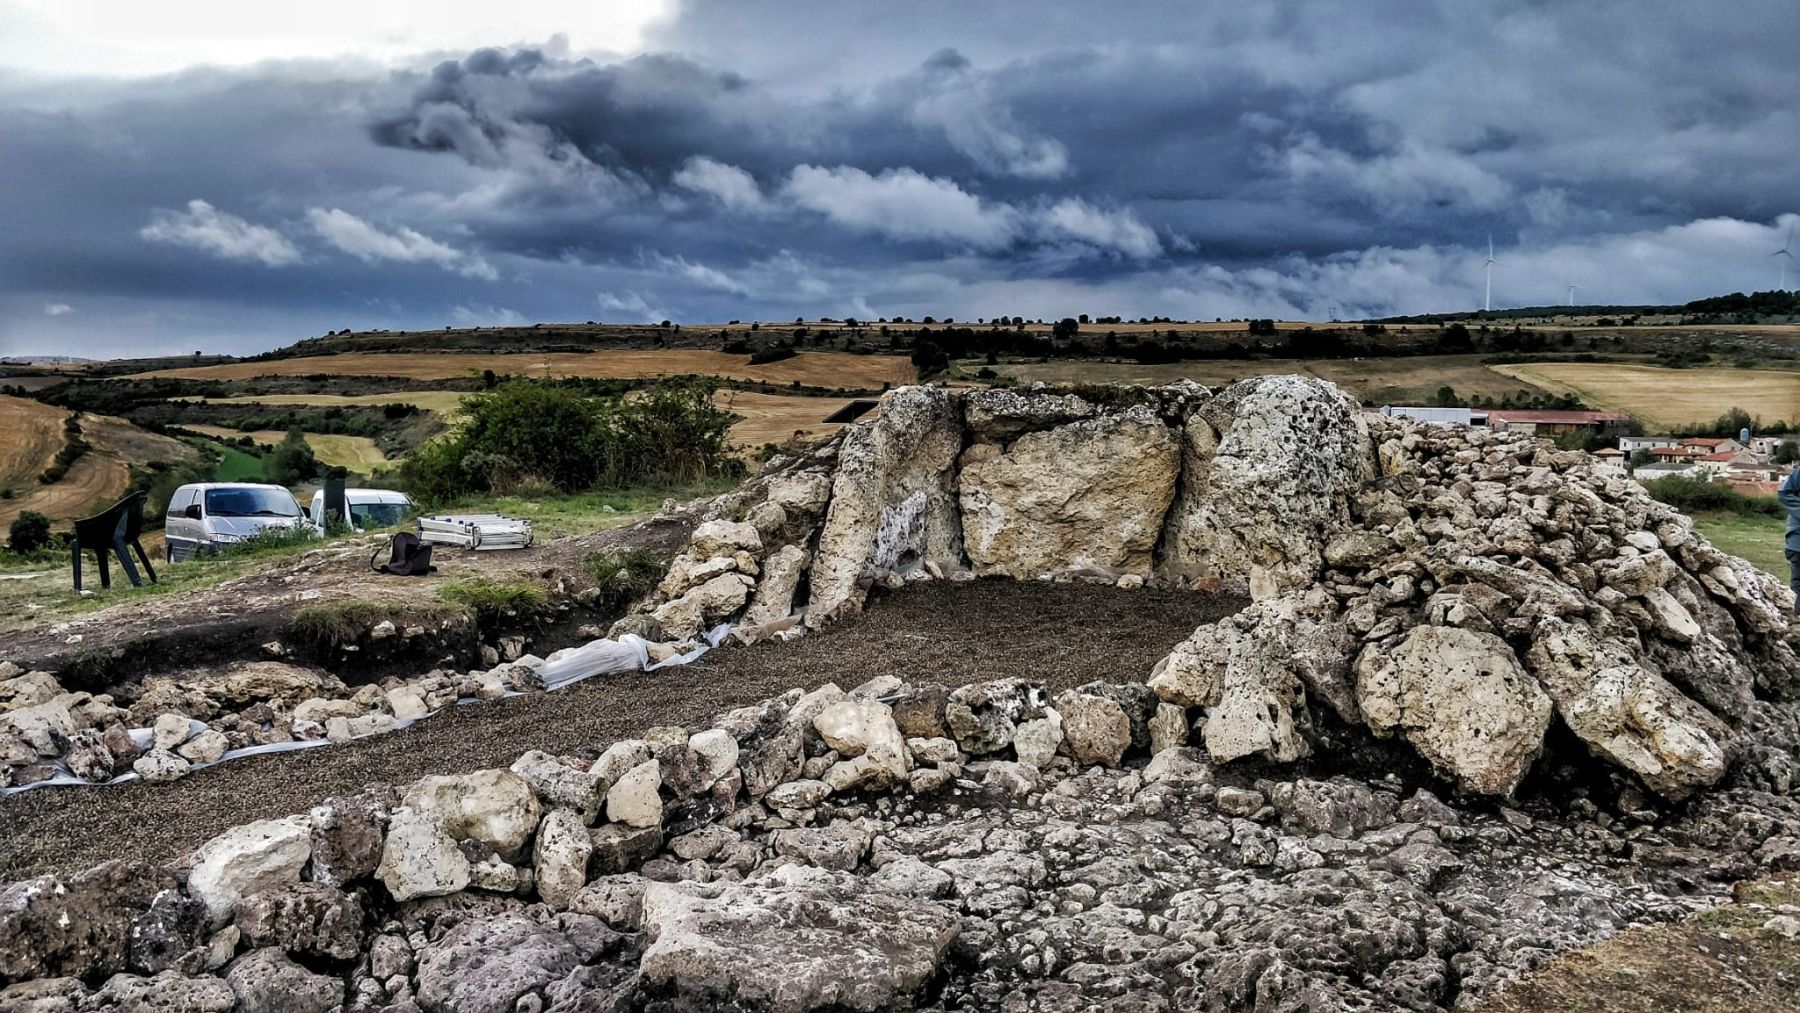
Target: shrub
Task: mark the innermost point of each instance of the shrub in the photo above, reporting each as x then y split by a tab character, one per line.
533	435
1692	495
272	541
623	576
775	354
491	600
292	461
30	532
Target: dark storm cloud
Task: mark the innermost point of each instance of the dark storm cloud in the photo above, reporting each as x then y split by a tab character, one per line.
822	157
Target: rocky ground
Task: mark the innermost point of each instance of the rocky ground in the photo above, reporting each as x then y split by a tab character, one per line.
1059	634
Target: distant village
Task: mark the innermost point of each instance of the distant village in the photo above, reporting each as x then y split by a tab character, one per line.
1750	464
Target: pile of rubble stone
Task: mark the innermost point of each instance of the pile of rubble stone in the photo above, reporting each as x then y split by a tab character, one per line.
1458	589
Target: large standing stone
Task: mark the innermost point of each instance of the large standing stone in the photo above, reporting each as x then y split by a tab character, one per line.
495	807
781	573
893	499
1088	494
420	858
1268	467
1460	697
811	942
248	859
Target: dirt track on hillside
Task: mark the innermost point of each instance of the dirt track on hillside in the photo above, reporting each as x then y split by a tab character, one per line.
1058	634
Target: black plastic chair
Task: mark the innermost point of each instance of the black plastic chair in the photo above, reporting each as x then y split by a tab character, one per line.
114	529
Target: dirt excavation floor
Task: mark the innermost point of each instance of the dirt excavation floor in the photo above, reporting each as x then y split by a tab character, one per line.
1059	634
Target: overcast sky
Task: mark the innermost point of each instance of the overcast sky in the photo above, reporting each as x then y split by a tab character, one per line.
231	176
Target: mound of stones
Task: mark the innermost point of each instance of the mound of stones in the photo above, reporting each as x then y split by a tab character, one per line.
989	847
191	718
1464	591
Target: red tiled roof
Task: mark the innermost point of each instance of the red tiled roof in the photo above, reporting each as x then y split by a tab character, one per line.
1723	455
1705	441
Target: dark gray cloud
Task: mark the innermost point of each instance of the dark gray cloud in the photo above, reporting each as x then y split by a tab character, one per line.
824	157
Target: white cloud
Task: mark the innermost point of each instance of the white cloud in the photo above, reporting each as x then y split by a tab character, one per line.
954	99
1412	176
697	273
903	204
734	188
57	309
631	304
367	243
1111	230
485	316
205	227
129	37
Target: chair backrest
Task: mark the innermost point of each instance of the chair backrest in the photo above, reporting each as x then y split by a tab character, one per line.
100	528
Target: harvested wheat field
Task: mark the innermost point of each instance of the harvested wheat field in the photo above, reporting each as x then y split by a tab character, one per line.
98	477
778	418
1667	398
838	370
358	453
34	433
1412	379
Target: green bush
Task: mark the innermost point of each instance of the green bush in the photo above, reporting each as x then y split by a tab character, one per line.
526	433
623	576
491	600
292	461
30	532
1692	495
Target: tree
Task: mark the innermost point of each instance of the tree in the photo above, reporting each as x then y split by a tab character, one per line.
292	461
1787	452
30	532
1065	329
488	379
1446	396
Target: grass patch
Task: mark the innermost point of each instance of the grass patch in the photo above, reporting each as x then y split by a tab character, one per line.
493	600
1693	495
273	542
623	576
333	624
557	515
235	465
1756	537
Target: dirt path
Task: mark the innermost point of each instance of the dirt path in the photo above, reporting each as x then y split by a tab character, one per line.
1058	634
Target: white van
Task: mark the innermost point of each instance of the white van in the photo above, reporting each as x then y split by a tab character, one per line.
369	508
207	516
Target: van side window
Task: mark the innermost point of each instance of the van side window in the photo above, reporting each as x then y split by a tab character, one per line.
181	499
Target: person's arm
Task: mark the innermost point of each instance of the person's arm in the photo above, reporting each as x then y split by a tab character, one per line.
1790	492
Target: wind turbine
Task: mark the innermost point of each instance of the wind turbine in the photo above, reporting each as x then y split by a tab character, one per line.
1572	290
1487	304
1787	250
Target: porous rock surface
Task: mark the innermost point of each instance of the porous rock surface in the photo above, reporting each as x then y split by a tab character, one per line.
1037	875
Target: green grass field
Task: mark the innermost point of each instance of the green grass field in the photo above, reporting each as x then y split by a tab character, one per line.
236	465
1756	538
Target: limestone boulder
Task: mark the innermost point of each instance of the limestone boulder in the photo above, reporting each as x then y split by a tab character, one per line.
893	499
248	859
420	858
1095	728
347	835
864	734
1463	701
984	716
266	981
1267	473
1625	712
1252	671
496	807
86	924
781	573
561	857
1087	494
307	920
491	965
997	415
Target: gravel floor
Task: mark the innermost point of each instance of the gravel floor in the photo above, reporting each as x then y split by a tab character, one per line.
1058	634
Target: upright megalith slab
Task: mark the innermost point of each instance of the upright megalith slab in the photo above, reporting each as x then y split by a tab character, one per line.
1088	494
1257	507
893	500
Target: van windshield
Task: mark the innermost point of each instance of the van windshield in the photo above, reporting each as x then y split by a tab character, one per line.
243	502
378	515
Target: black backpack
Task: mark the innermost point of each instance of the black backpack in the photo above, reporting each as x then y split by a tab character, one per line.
408	557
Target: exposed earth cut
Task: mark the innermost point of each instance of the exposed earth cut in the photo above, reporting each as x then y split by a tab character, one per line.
1487	703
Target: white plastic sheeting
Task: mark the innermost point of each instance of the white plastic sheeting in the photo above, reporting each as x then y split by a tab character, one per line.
630	653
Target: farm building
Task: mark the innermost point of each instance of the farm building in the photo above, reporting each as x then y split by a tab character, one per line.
1632	444
1554	423
1441	416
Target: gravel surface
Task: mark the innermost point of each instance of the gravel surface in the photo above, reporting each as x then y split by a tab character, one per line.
1058	634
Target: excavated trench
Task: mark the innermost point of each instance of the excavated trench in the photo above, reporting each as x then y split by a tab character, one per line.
1062	635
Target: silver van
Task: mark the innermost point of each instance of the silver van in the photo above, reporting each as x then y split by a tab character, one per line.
207	516
369	508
